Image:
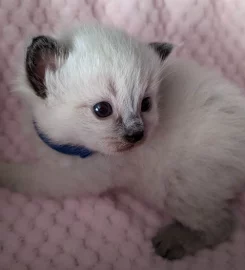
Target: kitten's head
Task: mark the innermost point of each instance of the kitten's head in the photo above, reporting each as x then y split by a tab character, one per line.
95	87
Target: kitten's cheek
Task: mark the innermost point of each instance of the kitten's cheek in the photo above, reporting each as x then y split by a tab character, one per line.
150	126
151	121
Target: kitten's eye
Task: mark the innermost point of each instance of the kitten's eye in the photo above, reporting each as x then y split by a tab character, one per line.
102	109
146	104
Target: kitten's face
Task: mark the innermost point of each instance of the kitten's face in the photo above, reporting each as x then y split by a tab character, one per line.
100	91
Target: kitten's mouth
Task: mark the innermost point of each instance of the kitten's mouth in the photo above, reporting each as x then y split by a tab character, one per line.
128	147
125	148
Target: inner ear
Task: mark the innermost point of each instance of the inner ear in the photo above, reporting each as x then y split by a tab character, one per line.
162	49
44	53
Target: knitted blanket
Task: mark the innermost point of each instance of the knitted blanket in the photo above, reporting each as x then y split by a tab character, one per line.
91	233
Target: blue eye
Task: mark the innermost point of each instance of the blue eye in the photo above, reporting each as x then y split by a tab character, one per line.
102	109
146	104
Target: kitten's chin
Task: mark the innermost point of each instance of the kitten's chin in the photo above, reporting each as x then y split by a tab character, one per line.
126	148
116	151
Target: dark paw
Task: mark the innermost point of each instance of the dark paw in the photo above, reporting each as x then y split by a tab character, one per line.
170	253
176	241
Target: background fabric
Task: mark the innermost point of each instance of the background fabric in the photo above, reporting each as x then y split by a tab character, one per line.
98	233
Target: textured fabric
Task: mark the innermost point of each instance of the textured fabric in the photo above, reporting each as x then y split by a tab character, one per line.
97	233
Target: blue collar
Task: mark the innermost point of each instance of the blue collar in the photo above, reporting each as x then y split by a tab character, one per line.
67	149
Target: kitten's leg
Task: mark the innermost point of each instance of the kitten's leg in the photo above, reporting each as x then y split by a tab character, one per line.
177	240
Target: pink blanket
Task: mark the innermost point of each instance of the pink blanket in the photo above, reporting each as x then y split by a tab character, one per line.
99	233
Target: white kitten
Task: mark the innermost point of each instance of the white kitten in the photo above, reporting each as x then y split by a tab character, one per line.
173	133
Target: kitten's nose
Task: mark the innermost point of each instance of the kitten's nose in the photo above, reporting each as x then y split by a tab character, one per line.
134	137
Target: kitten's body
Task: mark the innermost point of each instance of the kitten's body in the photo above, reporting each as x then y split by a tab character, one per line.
192	162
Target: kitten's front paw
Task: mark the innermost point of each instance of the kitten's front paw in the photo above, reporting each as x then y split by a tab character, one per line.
176	241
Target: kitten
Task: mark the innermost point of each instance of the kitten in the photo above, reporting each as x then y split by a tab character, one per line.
170	131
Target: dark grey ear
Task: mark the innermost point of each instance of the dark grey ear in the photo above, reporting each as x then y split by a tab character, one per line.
43	53
162	49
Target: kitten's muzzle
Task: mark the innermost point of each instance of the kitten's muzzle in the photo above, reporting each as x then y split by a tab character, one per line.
134	137
133	130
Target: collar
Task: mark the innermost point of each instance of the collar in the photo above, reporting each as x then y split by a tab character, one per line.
66	149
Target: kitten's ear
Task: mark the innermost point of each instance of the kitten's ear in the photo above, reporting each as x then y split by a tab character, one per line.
43	53
162	49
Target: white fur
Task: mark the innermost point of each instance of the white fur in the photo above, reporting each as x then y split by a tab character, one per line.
193	157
